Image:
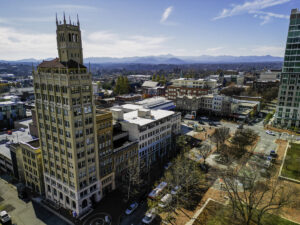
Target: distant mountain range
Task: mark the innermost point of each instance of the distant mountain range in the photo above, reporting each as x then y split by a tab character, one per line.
169	59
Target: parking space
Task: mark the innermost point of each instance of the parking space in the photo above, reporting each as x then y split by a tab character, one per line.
25	213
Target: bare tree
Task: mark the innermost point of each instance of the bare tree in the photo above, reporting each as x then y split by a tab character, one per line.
205	151
132	179
226	154
186	175
241	139
220	135
252	198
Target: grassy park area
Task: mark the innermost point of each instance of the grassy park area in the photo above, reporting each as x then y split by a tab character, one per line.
291	167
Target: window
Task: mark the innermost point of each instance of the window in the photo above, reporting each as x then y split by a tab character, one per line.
67	124
66	112
69	144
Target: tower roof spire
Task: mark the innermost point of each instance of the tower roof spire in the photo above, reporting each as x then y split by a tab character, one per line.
70	19
78	21
64	18
56	20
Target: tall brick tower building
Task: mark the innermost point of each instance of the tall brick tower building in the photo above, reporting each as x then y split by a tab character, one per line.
65	114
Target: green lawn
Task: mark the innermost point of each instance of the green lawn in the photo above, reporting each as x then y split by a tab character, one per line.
217	214
291	167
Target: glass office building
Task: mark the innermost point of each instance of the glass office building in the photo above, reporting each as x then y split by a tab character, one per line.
288	108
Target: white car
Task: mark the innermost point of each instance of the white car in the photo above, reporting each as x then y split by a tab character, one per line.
270	133
4	217
175	190
164	201
267	164
131	208
149	216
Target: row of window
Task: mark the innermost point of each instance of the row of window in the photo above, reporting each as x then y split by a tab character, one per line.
61	196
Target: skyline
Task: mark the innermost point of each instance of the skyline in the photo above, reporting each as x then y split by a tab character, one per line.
118	29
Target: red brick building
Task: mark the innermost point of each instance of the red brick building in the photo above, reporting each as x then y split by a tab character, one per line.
173	92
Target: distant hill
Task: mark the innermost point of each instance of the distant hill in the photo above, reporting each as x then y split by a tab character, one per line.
169	59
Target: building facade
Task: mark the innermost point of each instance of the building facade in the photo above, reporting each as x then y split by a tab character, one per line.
65	114
152	129
173	92
32	165
104	129
288	108
193	83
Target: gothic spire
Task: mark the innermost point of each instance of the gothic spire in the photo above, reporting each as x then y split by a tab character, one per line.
64	18
78	21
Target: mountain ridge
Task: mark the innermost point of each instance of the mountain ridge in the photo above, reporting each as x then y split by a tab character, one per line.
167	59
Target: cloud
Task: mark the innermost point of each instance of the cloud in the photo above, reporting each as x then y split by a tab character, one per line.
250	7
18	44
107	43
268	50
15	44
17	20
166	14
214	50
266	17
64	7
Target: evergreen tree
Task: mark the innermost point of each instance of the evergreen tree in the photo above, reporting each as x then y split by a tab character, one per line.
163	80
154	77
157	79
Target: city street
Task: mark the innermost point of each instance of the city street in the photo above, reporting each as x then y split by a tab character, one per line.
136	217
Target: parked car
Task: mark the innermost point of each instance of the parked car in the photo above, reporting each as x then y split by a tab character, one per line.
164	201
149	216
270	133
175	190
273	153
240	126
211	123
4	217
131	208
267	164
22	129
156	191
167	166
9	132
201	122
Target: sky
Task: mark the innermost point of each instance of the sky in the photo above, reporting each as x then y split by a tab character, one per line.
118	28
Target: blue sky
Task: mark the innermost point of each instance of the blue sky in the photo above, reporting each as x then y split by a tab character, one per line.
118	28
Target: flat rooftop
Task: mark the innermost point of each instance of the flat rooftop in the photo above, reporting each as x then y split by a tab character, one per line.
132	117
15	137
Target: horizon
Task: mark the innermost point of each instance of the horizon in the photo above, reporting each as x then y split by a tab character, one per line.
121	30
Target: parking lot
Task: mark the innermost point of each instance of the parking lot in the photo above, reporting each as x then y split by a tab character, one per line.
25	213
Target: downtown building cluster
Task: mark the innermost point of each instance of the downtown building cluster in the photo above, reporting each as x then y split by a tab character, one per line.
85	150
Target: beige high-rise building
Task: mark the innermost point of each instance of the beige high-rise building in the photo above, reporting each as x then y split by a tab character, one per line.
65	115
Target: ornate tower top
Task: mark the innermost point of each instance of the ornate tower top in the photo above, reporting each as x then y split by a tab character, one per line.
69	44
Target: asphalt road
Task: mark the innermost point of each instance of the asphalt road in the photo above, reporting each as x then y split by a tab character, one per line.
136	217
